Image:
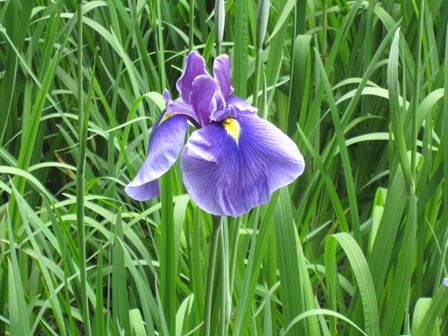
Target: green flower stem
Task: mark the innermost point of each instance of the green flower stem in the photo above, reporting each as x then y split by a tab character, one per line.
262	23
236	236
324	29
415	98
218	48
219	24
257	77
224	272
168	247
80	182
210	273
191	28
160	45
231	270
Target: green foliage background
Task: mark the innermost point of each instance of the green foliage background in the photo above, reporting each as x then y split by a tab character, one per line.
355	246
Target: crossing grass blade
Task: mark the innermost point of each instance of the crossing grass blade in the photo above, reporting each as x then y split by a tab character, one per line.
322	312
362	274
396	110
300	87
36	231
29	138
120	297
445	128
137	324
421	307
401	283
286	9
19	317
241	41
437	307
15	18
355	223
339	212
258	246
385	239
297	292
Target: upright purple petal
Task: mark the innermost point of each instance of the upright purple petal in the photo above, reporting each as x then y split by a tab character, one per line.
221	71
194	67
165	144
166	96
202	98
230	170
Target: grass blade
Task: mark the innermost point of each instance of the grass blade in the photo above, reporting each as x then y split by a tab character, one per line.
363	278
120	299
395	111
18	313
435	310
297	292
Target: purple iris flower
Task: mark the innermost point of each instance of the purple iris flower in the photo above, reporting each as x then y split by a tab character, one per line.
233	161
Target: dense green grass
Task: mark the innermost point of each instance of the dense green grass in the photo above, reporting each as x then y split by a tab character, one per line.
355	246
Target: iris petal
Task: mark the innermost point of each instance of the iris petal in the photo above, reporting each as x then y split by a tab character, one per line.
165	144
241	105
178	106
228	177
203	98
194	67
219	115
221	71
143	191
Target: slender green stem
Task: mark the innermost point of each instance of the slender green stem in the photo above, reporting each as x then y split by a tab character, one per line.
324	29
420	246
191	30
415	97
210	273
218	48
260	33
224	272
219	24
263	109
445	144
168	262
80	182
257	76
236	236
161	47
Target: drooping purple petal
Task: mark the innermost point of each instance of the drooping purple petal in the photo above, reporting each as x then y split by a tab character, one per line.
229	175
241	105
194	67
143	191
221	71
165	144
202	98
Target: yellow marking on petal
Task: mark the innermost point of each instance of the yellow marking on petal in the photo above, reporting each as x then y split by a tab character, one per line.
165	117
232	127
